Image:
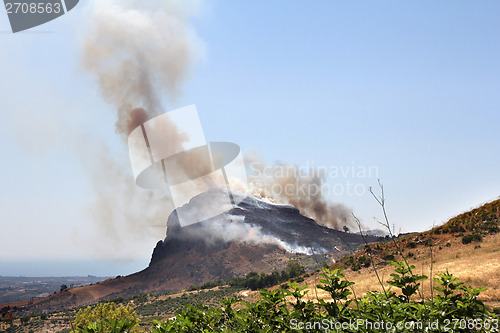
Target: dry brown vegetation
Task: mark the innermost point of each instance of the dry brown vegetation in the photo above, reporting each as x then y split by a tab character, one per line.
476	263
478	267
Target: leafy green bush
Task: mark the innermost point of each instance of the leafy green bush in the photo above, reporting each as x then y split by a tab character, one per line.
255	281
106	317
25	319
364	261
388	256
472	238
491	226
356	263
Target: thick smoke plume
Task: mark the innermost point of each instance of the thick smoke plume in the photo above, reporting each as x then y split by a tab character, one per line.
287	183
139	53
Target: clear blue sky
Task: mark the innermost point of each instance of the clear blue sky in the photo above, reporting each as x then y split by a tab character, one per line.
411	88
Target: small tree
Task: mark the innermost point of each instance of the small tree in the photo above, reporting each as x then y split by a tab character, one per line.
294	268
63	287
106	317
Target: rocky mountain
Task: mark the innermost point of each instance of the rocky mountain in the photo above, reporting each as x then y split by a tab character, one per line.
253	236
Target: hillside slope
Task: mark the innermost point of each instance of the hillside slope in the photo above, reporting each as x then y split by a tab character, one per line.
451	246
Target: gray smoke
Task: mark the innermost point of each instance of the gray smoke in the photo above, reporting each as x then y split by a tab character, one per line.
139	53
228	227
287	183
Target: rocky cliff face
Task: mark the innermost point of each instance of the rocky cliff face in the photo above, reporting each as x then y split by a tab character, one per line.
253	236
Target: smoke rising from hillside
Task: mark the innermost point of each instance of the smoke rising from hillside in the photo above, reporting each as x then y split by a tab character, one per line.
285	183
139	53
228	227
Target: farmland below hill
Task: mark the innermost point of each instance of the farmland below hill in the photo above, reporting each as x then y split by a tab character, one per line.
21	288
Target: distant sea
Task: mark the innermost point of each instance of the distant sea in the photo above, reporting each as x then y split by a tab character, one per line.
50	268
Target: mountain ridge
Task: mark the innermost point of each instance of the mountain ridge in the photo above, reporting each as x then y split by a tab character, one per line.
252	236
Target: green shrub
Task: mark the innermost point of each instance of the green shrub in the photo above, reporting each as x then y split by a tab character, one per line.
255	281
388	256
356	266
106	317
491	226
25	319
347	260
364	261
472	238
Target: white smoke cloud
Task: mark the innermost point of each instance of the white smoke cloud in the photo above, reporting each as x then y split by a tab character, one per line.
229	227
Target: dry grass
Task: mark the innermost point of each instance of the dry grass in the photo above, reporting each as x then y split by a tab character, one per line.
477	267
